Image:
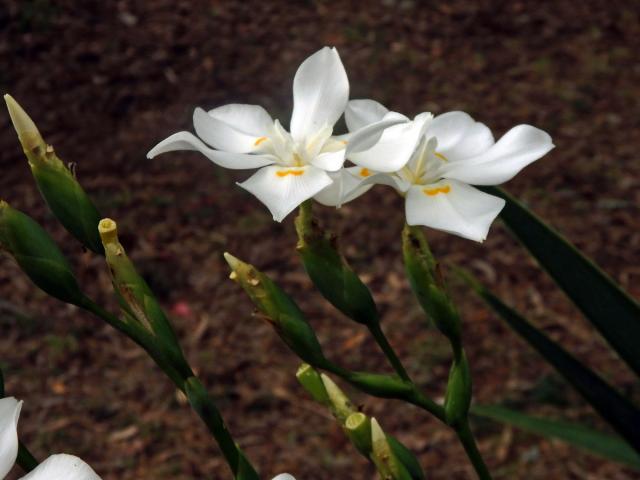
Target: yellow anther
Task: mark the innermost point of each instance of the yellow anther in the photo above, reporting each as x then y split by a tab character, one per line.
284	173
435	191
364	172
260	140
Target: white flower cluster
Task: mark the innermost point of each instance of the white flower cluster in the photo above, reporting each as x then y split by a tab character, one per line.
431	161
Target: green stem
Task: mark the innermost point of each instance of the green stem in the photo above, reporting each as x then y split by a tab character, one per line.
468	442
383	342
179	374
25	459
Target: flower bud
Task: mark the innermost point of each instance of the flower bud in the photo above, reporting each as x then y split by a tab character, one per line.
388	465
135	296
57	184
37	255
427	284
331	274
340	405
458	396
408	459
279	309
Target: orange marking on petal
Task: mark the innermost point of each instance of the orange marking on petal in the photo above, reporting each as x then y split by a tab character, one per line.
284	173
435	191
260	140
364	172
441	157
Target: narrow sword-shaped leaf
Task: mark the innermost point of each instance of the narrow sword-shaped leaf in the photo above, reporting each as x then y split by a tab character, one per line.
619	412
605	445
614	313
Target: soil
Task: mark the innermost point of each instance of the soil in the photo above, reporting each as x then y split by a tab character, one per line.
105	81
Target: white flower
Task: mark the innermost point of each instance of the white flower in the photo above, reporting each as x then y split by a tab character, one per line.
56	467
283	476
294	166
434	161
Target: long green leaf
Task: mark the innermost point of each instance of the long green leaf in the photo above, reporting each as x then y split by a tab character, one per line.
614	313
607	446
623	416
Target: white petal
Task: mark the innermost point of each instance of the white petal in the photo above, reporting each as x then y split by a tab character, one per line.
283	476
360	113
320	93
282	189
394	149
62	467
9	414
234	128
515	150
188	141
329	161
346	186
459	136
453	207
366	137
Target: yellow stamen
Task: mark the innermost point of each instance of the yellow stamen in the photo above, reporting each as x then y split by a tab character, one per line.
260	140
344	142
441	157
364	172
435	191
284	173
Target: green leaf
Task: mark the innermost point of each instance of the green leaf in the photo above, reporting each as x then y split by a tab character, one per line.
614	313
621	414
607	446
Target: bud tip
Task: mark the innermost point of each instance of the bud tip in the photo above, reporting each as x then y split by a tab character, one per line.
108	230
21	121
233	262
377	434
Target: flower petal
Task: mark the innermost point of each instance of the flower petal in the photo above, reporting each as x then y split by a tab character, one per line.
234	128
320	93
459	136
366	137
283	476
9	414
453	207
395	147
515	150
360	113
346	186
188	141
62	467
329	161
282	189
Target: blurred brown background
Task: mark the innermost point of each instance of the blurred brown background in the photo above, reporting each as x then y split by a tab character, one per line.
105	81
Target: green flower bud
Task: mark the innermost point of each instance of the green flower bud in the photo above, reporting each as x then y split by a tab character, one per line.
358	428
340	405
62	192
406	457
37	255
427	284
279	309
458	397
135	296
330	273
388	465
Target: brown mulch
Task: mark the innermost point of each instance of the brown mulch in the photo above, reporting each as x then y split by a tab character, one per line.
105	81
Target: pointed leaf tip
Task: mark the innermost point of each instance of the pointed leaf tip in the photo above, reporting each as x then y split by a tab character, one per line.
233	262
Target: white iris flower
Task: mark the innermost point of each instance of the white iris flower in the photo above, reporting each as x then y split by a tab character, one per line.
433	162
293	166
56	467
